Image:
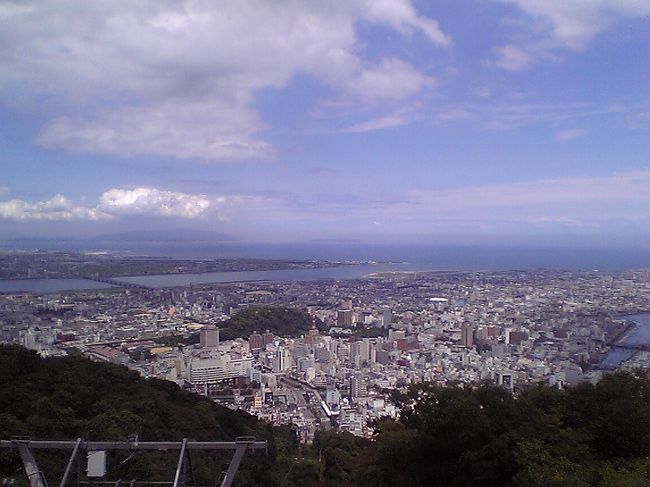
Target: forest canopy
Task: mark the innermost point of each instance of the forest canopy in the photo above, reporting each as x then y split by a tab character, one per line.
482	436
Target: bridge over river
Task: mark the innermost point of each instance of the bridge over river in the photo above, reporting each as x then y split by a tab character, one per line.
117	283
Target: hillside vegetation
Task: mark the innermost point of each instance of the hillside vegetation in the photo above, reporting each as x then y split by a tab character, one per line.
281	321
285	322
471	437
66	398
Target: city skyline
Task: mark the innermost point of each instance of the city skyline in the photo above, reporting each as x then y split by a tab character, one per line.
349	120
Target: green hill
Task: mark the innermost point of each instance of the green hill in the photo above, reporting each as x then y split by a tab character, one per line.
285	322
281	321
66	398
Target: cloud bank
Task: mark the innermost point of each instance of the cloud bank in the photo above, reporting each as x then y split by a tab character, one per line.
178	79
587	202
152	201
57	208
113	203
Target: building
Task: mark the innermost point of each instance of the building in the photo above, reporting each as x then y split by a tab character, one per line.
386	318
215	369
312	336
505	379
358	387
256	341
268	338
209	336
467	335
344	318
281	361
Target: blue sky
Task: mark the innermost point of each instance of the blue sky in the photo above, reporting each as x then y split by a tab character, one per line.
389	120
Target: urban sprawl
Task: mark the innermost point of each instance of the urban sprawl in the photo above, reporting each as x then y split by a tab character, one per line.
375	335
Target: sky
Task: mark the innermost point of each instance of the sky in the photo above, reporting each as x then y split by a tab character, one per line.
311	121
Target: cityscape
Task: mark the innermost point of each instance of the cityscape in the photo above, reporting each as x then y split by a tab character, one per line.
344	243
356	339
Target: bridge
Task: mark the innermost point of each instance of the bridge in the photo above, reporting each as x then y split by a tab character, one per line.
116	283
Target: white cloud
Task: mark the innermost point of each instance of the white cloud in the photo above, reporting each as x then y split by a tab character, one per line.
178	79
57	208
172	128
392	79
564	25
152	201
570	134
114	203
511	58
401	15
389	121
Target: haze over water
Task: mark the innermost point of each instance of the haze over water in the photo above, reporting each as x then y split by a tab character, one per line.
462	256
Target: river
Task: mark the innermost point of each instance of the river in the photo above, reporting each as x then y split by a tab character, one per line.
178	280
43	286
638	335
288	275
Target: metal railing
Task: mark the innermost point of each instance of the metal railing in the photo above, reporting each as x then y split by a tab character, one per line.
36	478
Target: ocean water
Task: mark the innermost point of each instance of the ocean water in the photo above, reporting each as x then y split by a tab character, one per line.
425	256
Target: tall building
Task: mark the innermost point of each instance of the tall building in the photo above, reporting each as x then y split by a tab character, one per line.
386	318
358	387
506	334
467	335
360	352
344	318
256	341
268	337
209	336
281	360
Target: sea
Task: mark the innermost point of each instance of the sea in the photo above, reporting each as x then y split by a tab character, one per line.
369	259
464	256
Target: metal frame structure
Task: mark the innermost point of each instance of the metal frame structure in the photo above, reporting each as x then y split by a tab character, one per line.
37	479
